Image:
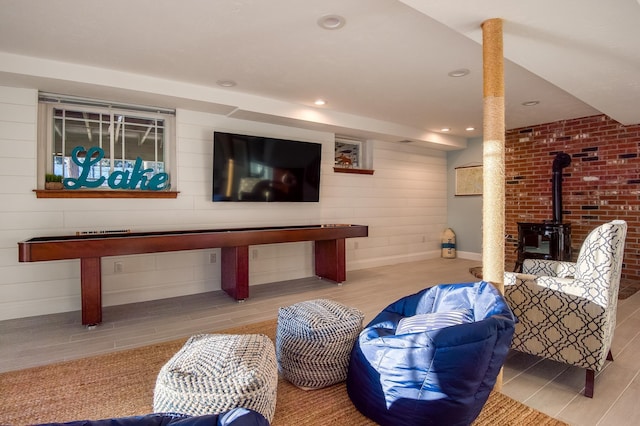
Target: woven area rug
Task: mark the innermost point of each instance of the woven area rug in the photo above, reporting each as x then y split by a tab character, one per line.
121	384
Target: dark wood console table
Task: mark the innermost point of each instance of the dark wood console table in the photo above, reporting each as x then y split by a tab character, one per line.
234	244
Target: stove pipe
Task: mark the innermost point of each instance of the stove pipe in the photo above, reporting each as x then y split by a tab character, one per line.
561	161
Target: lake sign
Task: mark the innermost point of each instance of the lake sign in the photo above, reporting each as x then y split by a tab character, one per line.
139	177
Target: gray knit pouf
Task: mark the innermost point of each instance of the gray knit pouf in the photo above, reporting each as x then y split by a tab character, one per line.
213	373
314	341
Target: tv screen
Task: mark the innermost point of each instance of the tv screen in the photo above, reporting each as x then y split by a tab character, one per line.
253	168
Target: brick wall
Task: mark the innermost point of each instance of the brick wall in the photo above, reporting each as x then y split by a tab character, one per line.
602	182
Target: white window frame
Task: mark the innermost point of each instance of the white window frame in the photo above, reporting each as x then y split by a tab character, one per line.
49	102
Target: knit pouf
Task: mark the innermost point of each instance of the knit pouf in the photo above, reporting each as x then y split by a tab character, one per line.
213	373
314	341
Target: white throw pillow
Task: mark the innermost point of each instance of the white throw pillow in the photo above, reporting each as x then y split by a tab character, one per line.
432	321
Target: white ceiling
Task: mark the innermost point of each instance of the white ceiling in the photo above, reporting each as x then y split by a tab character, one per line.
384	74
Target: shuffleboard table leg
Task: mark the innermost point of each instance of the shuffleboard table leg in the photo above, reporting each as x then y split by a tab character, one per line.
235	271
330	259
91	291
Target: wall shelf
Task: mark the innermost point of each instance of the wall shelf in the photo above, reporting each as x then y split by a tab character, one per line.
352	170
82	193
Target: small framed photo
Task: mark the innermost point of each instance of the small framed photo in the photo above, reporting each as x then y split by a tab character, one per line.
469	180
348	154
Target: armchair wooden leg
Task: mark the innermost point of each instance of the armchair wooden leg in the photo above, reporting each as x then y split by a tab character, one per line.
591	377
589	383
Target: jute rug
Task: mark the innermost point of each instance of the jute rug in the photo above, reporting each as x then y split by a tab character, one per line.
121	384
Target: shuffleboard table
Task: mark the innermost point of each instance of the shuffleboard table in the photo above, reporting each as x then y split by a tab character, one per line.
234	243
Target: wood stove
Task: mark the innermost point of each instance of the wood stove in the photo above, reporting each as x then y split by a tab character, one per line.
549	239
543	241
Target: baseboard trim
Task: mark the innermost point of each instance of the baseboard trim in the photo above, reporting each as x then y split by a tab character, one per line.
469	255
354	265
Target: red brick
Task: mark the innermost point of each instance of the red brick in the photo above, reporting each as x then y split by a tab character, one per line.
530	198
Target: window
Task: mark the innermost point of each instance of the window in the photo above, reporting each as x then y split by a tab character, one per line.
353	155
118	138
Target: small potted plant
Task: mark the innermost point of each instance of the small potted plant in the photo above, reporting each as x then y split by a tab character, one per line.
53	181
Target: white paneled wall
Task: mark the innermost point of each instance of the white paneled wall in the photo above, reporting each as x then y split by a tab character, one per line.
403	203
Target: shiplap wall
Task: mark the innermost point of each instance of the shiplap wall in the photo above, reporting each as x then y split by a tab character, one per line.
404	204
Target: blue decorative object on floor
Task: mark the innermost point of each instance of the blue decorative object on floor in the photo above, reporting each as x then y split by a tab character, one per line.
441	376
234	417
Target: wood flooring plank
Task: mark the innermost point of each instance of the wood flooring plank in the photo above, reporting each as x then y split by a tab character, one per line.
554	396
537	376
610	384
625	409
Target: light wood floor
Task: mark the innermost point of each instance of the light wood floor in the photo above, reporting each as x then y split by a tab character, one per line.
545	385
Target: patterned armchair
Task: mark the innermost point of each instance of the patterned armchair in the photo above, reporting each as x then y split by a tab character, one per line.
567	311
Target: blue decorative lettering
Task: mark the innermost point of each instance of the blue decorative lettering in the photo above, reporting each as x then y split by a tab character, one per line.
120	179
71	183
138	175
158	182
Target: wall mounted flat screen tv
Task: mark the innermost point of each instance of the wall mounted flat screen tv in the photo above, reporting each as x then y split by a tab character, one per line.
253	168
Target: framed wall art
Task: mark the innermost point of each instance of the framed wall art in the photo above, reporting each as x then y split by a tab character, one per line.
468	180
348	154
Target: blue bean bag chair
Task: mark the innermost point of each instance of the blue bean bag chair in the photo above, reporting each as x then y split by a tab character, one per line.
431	358
233	417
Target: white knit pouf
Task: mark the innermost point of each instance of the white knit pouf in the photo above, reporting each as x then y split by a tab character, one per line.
314	341
213	373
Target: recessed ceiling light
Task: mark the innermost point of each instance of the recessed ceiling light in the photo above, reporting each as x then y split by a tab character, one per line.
320	102
530	103
331	22
226	83
459	72
445	129
470	129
